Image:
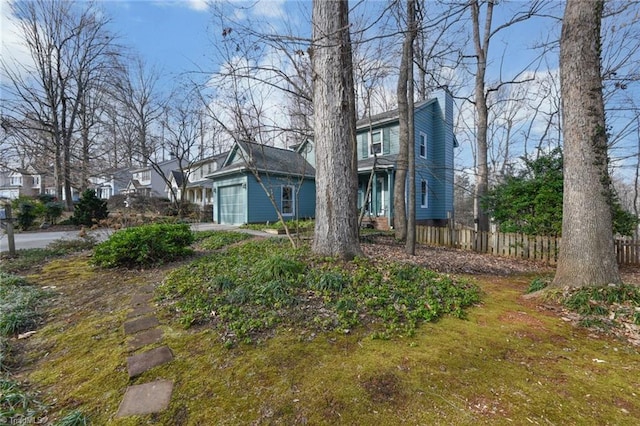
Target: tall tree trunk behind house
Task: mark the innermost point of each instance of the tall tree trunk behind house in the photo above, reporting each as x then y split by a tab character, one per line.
587	256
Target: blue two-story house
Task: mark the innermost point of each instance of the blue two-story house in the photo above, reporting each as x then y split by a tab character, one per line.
289	175
378	146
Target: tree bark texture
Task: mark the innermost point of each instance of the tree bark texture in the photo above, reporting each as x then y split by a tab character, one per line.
336	229
410	244
587	256
402	162
482	112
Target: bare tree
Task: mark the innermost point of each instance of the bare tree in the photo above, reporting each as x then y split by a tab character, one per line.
142	107
483	32
587	256
70	48
404	214
336	231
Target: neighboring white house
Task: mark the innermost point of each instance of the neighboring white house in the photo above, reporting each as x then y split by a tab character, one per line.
198	189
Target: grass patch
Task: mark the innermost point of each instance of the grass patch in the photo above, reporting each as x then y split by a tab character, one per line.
18	406
29	258
605	308
215	240
249	290
537	284
298	226
19	304
509	363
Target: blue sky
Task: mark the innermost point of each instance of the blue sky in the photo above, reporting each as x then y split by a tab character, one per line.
176	36
170	35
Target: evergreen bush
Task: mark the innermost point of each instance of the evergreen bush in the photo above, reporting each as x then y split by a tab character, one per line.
90	209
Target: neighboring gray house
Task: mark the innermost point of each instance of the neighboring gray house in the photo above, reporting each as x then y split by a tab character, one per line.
148	181
239	196
110	182
21	182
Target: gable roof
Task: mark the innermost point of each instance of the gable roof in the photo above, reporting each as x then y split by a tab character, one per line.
389	116
177	176
264	159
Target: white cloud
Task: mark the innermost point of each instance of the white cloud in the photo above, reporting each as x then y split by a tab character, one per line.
198	5
195	5
12	48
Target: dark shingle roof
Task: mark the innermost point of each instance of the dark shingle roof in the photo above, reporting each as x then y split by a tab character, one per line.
383	161
264	158
178	177
388	115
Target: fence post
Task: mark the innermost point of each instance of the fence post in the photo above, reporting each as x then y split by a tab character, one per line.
8	219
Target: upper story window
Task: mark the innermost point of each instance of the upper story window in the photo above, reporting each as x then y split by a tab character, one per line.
375	146
36	181
16	180
423	145
145	175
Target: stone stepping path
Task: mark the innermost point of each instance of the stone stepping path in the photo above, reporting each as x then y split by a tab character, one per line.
146	398
144	338
142	329
138	364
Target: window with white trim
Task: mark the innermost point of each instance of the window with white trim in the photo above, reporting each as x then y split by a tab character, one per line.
423	145
375	143
424	194
287	201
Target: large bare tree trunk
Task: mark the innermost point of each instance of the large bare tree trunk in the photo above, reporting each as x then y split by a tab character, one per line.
336	231
587	255
402	163
481	43
410	245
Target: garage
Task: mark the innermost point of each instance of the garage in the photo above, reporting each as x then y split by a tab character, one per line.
231	204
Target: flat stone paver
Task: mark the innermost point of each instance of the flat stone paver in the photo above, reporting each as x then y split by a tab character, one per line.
140	310
146	289
140	324
139	363
146	398
144	338
141	299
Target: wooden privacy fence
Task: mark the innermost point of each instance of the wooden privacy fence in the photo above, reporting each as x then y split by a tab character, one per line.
514	245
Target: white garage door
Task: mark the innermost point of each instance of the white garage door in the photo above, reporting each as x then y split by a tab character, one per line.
231	205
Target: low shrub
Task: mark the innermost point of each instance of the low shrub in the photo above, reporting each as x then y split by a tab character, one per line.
26	214
605	307
144	246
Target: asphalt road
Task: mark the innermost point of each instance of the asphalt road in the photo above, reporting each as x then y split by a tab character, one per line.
29	240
